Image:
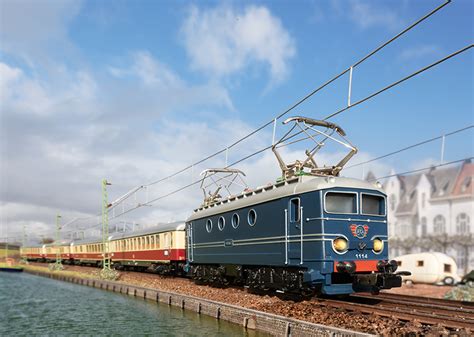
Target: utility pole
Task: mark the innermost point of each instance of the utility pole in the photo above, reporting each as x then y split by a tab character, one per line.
24	260
57	265
107	272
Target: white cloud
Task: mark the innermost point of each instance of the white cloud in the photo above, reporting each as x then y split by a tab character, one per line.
8	77
60	135
370	14
149	70
28	28
418	52
165	85
31	95
223	41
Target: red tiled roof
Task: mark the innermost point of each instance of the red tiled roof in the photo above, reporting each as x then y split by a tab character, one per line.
464	184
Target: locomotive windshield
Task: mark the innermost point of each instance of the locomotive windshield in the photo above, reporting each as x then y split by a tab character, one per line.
373	204
339	202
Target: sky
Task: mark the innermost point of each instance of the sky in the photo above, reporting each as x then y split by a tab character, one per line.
133	91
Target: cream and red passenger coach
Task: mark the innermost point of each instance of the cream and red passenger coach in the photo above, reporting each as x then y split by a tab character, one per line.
161	248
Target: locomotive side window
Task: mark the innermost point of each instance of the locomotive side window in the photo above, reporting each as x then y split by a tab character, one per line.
209	225
221	223
295	210
340	202
252	217
235	220
373	204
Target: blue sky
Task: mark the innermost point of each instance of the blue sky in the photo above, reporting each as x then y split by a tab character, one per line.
134	90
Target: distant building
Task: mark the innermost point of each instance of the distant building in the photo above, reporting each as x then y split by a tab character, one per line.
433	211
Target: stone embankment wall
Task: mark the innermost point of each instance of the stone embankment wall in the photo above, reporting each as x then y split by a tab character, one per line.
249	319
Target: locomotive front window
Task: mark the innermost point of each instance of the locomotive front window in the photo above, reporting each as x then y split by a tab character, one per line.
339	202
373	204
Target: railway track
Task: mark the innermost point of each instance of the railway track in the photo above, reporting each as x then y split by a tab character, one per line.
449	314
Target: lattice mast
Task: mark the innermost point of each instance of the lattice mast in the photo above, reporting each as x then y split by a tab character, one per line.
107	272
57	265
105	225
23	259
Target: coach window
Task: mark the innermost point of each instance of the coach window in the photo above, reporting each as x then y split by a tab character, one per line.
372	204
341	202
152	242
295	210
252	217
221	223
167	240
209	225
235	220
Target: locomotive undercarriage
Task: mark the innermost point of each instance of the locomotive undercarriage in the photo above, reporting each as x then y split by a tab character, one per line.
255	278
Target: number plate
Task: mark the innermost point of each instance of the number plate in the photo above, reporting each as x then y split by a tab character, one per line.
361	256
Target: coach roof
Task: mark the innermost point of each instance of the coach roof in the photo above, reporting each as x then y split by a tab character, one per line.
158	228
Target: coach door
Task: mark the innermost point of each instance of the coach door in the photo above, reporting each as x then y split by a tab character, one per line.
294	232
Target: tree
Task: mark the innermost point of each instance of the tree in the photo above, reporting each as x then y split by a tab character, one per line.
465	242
440	241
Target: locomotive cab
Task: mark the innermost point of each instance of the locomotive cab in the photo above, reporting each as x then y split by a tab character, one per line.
358	221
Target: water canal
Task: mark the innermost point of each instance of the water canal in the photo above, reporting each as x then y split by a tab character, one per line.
32	305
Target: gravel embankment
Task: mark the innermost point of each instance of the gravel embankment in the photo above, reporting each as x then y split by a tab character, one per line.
313	311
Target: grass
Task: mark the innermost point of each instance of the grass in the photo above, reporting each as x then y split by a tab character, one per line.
60	272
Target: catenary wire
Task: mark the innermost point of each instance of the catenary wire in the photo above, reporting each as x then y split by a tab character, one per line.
299	102
340	111
412	146
423	169
313	92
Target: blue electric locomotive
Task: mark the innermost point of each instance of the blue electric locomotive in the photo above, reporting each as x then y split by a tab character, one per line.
311	232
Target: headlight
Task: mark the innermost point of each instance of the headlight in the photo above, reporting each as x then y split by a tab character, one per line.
340	245
378	245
